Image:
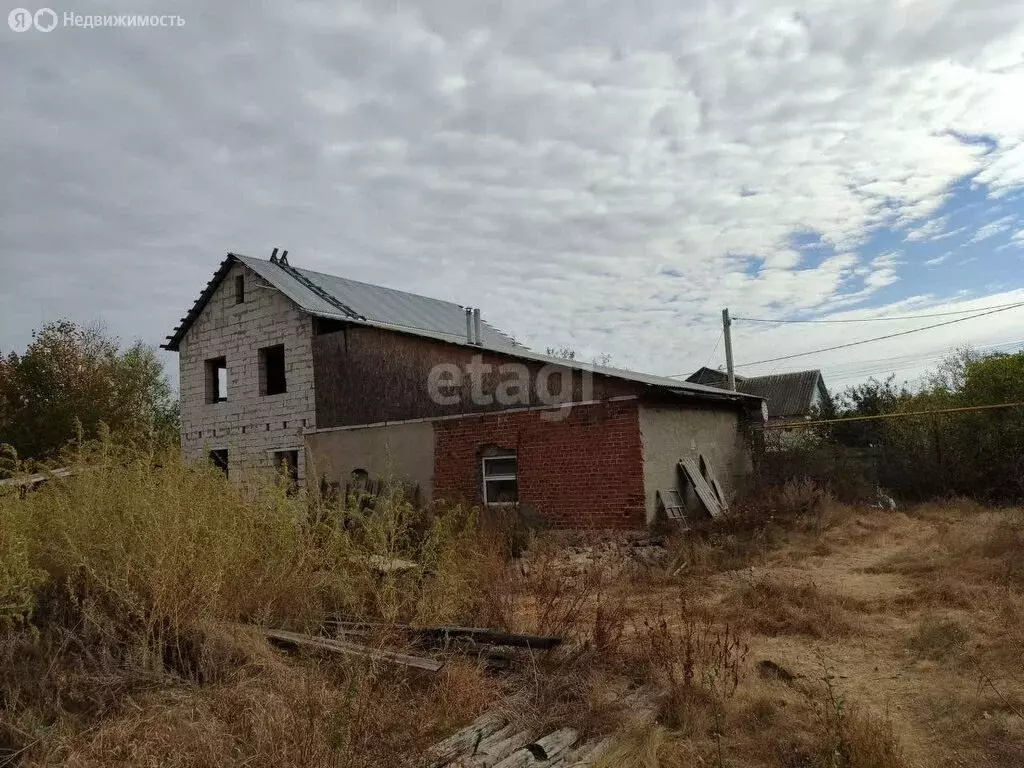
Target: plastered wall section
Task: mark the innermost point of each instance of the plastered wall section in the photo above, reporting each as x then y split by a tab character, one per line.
400	451
668	434
250	425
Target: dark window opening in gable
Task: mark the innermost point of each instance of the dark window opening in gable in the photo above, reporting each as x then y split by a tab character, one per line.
500	479
287	465
219	459
240	289
217	380
272	372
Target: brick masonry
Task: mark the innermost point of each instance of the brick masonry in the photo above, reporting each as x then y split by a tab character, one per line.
585	471
249	425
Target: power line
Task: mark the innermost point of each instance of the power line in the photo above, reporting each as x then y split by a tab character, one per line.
880	338
880	319
720	335
843	371
933	412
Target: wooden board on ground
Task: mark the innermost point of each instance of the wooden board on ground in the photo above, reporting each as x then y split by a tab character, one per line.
704	491
672	502
492	741
353	649
42	477
442	635
712	479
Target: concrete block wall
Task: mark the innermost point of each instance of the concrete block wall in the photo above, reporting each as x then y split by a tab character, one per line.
248	424
585	471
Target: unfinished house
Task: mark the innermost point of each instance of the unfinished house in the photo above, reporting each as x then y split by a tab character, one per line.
339	382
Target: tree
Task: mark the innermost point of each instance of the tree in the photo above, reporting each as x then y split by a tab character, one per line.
871	398
568	353
70	372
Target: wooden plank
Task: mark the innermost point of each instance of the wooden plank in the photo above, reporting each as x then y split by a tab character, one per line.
476	634
42	477
354	649
584	756
672	502
712	480
541	751
701	487
497	753
489	637
489	728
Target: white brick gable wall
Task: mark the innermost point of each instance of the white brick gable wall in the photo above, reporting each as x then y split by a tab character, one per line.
249	425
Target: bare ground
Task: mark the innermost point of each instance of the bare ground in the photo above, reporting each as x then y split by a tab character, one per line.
917	637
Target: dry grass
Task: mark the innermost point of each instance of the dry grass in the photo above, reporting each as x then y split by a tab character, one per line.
123	588
775	607
938	639
304	714
122	593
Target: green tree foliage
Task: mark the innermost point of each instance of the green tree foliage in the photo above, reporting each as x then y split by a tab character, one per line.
70	372
975	453
871	398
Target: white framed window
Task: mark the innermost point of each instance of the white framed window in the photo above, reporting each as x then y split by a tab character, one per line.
501	479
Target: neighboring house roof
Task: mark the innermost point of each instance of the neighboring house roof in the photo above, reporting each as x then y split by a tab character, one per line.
711	378
788	394
338	298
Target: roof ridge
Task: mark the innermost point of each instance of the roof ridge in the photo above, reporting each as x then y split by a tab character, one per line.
816	371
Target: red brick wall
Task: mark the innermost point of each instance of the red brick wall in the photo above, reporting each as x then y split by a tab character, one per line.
585	471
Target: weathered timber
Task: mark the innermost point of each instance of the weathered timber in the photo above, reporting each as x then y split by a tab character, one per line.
467	740
42	477
704	491
584	756
353	649
497	752
542	751
490	656
476	634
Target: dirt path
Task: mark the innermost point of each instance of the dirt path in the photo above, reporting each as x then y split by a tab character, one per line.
871	666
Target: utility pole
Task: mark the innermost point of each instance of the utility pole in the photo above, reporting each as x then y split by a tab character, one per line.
727	332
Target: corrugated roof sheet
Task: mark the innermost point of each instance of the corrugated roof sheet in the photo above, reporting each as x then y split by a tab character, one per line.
341	298
338	298
788	394
711	378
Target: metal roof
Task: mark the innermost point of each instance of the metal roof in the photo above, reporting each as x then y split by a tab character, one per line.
338	298
788	394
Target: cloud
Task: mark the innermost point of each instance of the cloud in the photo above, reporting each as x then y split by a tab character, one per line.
930	230
549	161
993	228
936	260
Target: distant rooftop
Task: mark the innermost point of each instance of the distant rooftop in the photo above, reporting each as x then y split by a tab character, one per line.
788	394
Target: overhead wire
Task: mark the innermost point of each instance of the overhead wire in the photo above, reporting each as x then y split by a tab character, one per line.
901	362
905	414
877	319
880	338
721	334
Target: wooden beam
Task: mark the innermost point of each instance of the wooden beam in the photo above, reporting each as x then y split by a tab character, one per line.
476	634
353	649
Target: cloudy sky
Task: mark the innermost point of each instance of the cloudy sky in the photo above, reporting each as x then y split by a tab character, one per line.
596	173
